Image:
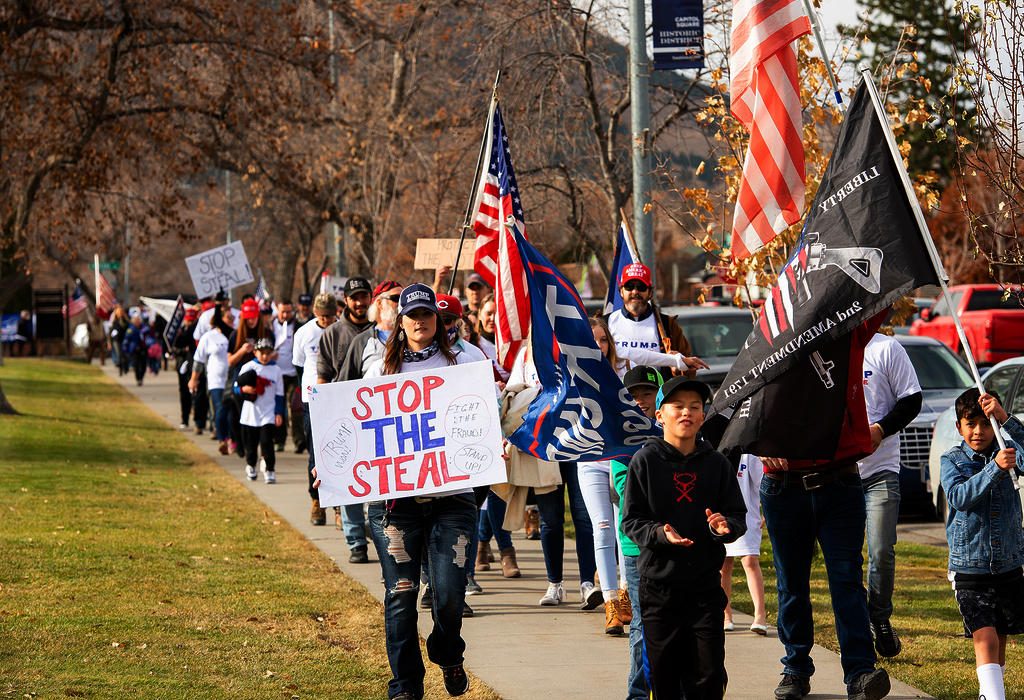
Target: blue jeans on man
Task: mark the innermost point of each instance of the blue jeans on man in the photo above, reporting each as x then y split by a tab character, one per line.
882	501
834	515
404	531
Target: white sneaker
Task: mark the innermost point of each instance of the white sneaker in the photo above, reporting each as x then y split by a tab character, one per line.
269	477
555	594
250	472
590	596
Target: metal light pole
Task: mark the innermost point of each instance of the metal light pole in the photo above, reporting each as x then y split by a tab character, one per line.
640	121
335	246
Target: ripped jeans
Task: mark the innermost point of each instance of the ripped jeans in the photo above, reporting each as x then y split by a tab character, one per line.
440	528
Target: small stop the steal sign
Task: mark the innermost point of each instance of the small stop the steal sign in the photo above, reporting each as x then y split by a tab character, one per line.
411	434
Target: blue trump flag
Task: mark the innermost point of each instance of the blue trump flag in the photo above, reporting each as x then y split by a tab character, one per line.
583	412
625	255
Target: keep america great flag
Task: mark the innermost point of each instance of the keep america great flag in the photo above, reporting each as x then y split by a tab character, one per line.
794	385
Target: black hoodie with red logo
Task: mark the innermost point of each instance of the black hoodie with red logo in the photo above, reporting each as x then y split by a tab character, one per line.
665	486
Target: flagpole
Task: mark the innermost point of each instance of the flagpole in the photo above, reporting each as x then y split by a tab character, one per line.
666	341
929	245
96	280
816	29
476	180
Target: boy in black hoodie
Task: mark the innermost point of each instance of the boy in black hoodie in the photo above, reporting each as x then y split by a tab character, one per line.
682	503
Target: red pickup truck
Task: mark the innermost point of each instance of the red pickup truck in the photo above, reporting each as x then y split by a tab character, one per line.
994	327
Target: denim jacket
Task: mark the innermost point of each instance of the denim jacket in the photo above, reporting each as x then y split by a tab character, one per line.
983	528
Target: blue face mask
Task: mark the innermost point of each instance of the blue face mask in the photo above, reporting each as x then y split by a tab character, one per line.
453	335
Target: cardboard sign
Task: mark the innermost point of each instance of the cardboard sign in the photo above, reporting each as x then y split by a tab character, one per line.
224	268
432	253
174	323
410	434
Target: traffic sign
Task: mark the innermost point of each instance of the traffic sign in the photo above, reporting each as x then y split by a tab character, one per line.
107	265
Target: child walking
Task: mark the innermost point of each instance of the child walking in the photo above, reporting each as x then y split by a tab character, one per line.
983	529
261	384
682	504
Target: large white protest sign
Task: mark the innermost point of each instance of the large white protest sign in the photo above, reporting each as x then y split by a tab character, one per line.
224	268
410	434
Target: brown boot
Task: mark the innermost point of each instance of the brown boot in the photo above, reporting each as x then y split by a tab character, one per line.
317	516
482	550
531	521
509	565
612	621
625	607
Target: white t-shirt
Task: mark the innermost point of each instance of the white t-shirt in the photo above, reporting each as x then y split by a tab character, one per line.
205	321
888	377
639	341
212	350
749	476
284	334
305	349
261	410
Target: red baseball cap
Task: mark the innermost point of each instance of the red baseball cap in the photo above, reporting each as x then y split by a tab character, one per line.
190	314
250	308
447	304
636	271
385	286
208	305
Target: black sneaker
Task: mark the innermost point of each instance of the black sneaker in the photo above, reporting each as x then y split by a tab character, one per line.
466	610
404	696
358	555
792	687
427	600
887	643
456	682
869	686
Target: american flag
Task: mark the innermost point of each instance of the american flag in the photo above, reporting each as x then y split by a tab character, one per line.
262	293
499	214
77	304
104	297
766	99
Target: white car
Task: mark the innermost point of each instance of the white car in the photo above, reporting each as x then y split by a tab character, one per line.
1006	380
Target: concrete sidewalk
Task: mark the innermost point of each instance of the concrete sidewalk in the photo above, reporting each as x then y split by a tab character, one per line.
518	648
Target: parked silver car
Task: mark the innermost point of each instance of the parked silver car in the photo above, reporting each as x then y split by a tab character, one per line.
1006	380
716	335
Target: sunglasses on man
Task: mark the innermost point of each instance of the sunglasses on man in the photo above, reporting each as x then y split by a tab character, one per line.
632	286
394	298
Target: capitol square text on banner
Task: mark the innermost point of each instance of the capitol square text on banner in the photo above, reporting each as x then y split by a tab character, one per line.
411	434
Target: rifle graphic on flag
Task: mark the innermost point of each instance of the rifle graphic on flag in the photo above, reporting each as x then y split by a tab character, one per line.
625	254
583	412
864	245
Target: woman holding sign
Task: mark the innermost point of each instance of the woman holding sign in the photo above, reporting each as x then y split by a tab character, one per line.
441	526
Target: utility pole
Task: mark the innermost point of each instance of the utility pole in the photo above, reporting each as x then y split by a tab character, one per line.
127	291
640	124
334	243
231	223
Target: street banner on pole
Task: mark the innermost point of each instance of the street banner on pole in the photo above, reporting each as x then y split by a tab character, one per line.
333	284
678	34
410	434
221	268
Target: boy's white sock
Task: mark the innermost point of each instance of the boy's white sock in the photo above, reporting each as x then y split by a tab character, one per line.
990	682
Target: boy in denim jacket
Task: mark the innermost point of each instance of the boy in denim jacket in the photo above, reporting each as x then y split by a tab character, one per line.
983	529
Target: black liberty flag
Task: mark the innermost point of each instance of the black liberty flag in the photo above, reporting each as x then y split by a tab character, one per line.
796	385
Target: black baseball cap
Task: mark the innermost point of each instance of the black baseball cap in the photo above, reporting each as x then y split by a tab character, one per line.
676	383
305	300
354	285
417	296
643	376
475	278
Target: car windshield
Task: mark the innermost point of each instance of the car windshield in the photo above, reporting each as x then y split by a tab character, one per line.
938	368
716	336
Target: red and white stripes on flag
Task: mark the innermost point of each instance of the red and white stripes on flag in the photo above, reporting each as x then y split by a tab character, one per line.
765	97
104	297
499	213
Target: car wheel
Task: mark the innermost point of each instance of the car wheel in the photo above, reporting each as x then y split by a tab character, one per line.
941	507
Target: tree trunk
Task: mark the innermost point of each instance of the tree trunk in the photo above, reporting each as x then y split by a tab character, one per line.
6	409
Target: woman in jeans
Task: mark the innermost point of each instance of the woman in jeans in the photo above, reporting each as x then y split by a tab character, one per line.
212	356
406	529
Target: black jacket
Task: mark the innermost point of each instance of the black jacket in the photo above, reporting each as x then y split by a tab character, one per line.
665	486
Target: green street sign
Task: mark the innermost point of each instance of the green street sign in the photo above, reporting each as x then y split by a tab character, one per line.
107	265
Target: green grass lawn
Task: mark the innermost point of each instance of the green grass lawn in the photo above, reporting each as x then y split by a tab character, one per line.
132	565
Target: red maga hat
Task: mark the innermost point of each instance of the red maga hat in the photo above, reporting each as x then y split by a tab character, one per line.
636	271
250	308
